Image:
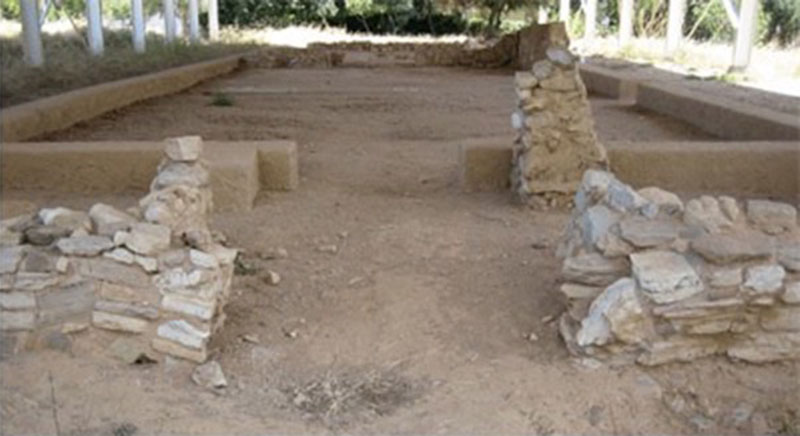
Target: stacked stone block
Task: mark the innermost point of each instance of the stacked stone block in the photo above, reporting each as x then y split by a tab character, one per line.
650	279
153	271
556	142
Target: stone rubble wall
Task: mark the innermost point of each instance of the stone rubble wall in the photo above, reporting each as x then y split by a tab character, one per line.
511	50
650	279
153	272
556	142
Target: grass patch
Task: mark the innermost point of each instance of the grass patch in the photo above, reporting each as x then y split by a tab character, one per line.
68	65
221	99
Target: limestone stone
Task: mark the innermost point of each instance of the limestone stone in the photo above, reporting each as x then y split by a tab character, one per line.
121	255
781	318
596	222
667	202
209	375
577	291
108	220
110	321
699	309
559	82
127	309
525	80
615	313
224	255
542	69
149	264
706	213
644	233
764	279
560	56
189	306
91	245
593	269
9	237
37	261
66	302
35	281
62	264
17	300
45	235
767	348
789	257
180	173
6	282
181	208
184	333
772	216
709	326
664	276
123	293
111	271
679	349
725	278
10	258
65	218
613	246
148	239
792	293
184	148
737	247
729	207
171	259
15	321
174	349
623	198
203	260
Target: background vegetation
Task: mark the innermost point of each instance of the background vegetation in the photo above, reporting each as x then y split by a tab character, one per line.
779	20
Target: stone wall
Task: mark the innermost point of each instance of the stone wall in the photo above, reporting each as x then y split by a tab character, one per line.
515	50
650	279
556	141
153	272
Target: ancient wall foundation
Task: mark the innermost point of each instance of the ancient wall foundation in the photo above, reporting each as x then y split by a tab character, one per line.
651	279
154	273
556	141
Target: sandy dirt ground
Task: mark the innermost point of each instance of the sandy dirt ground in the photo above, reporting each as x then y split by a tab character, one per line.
433	316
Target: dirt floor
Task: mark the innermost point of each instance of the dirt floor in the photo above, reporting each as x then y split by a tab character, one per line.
433	316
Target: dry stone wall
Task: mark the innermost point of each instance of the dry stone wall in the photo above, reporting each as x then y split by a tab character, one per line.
556	142
650	279
153	272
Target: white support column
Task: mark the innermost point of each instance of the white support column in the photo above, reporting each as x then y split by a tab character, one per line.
31	33
677	9
94	29
625	22
745	34
169	20
213	20
591	20
563	11
194	21
542	15
137	13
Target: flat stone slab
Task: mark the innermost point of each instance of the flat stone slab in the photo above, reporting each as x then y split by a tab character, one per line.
739	247
664	276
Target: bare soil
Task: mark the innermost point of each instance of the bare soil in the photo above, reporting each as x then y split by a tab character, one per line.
434	315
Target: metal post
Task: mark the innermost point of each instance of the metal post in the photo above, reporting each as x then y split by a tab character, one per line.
591	20
677	9
625	22
138	26
169	20
94	30
563	11
213	20
31	33
194	21
745	34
